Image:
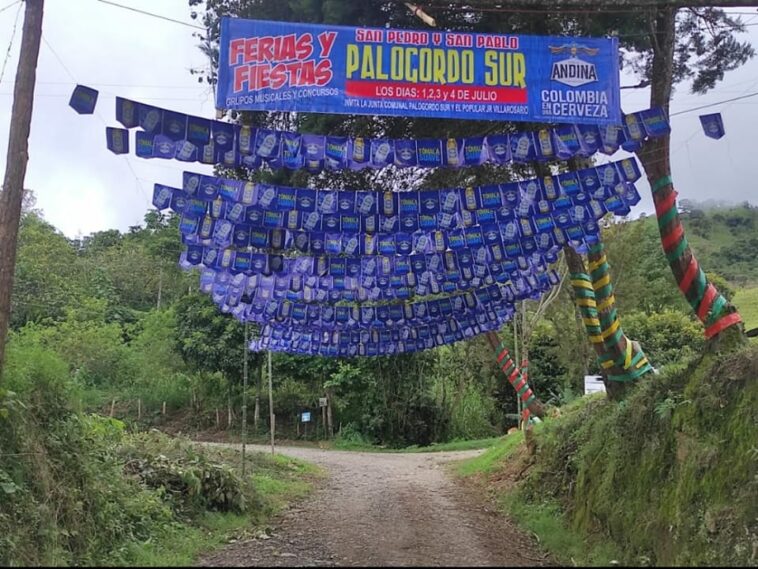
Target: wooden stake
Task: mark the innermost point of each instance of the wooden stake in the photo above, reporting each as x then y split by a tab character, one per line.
244	400
271	404
164	408
113	407
139	409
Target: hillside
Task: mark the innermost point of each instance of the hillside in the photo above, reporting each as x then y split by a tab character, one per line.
666	478
725	240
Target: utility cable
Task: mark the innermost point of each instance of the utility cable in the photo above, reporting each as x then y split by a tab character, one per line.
13	36
151	14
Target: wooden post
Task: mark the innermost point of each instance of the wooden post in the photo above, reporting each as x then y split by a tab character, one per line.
258	389
164	409
218	419
12	192
329	418
244	401
139	409
271	404
229	409
517	361
113	407
323	421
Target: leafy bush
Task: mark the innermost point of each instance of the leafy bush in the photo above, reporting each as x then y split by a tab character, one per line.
350	436
63	497
184	475
666	337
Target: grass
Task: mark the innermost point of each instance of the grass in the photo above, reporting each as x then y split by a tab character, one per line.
746	301
451	446
277	480
666	477
545	520
491	459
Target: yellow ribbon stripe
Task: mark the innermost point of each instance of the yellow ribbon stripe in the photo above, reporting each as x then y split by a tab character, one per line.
591	322
628	359
600	283
606	303
586	302
597	264
581	284
611	330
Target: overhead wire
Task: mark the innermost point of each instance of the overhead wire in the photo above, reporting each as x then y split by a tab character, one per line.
151	14
4	8
10	43
99	116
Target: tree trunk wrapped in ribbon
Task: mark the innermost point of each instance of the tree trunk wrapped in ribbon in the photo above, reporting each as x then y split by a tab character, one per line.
621	358
517	377
713	310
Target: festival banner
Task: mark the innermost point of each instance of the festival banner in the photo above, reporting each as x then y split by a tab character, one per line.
265	66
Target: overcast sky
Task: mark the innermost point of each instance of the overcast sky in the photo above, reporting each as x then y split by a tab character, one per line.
82	187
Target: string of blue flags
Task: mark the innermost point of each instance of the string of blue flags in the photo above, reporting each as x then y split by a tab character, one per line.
348	273
171	135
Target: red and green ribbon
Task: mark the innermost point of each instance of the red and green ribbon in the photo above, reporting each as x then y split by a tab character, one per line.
516	377
709	305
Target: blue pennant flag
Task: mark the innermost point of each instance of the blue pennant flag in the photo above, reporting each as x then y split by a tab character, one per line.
713	125
83	100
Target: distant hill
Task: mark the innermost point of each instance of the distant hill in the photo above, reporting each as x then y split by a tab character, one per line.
725	240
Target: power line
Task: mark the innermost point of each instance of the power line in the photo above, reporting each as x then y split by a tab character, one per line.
553	10
4	8
713	104
151	14
13	36
99	116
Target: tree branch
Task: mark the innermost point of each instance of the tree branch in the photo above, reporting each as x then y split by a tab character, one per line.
599	5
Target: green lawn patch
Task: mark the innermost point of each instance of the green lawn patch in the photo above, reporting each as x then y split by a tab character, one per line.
746	301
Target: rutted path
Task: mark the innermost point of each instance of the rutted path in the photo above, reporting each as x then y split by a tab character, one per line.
385	509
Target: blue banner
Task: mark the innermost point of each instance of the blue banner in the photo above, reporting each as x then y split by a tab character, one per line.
283	66
713	125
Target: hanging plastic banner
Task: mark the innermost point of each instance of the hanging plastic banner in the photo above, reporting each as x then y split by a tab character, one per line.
234	145
83	100
117	140
713	125
284	66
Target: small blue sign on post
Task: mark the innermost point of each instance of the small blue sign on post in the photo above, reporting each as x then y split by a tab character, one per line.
305	417
283	66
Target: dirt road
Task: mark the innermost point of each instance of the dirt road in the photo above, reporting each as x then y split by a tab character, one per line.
385	509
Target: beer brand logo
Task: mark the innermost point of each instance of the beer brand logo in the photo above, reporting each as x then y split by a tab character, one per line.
573	71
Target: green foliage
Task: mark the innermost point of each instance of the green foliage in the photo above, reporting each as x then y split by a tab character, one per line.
64	497
209	340
725	240
77	490
667	337
47	278
492	458
667	477
187	479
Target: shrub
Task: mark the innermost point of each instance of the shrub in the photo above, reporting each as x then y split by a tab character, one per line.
184	475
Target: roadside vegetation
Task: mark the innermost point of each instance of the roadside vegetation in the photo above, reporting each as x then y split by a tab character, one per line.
667	478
